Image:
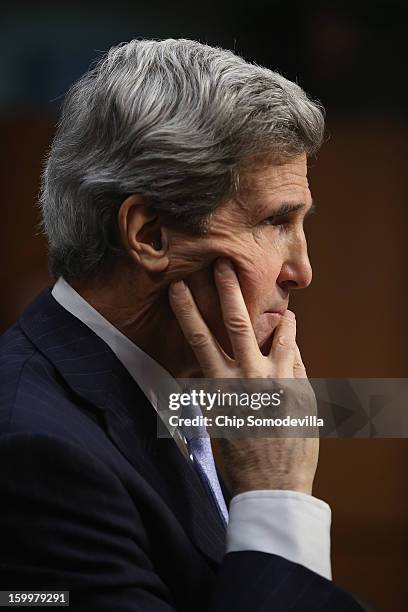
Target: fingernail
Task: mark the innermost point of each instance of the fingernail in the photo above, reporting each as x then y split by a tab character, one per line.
223	265
177	288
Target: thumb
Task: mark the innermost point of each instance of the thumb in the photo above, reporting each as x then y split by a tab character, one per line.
299	370
283	347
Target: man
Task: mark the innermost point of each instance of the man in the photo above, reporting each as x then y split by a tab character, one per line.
174	165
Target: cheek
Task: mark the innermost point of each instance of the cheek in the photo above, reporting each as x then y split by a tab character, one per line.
187	257
257	268
257	262
258	265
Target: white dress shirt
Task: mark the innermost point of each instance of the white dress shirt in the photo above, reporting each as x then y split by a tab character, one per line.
292	525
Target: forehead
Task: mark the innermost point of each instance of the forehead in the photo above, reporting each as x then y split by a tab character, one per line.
263	188
272	180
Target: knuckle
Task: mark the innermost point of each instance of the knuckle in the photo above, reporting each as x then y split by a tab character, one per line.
237	324
298	368
284	341
281	340
184	311
197	339
228	282
255	373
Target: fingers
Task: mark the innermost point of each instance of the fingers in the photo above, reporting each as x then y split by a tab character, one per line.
283	349
234	313
195	330
284	354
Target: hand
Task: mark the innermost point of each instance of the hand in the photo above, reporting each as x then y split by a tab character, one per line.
251	463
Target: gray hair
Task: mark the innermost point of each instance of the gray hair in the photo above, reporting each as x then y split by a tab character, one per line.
173	120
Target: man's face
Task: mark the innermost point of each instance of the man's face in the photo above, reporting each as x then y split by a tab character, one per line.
261	232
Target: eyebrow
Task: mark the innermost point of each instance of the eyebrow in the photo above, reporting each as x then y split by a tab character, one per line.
286	209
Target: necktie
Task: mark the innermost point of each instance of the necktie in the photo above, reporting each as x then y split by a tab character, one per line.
201	451
199	445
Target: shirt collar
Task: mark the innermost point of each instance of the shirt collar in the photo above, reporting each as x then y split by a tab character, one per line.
151	377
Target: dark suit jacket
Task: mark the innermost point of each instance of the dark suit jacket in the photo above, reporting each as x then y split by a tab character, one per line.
92	502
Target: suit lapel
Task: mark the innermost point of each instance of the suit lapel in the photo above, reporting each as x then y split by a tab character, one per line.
94	373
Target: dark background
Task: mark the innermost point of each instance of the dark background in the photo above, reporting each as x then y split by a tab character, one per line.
352	320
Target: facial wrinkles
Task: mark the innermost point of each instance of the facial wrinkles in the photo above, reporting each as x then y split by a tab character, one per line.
234	238
226	238
237	232
235	224
269	181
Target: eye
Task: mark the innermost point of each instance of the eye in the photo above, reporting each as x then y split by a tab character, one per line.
282	221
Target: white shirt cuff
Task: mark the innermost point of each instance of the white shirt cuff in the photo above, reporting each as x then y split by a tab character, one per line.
292	525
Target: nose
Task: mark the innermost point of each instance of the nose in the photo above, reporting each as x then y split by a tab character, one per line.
296	271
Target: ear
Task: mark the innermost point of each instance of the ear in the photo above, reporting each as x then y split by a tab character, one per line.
143	237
